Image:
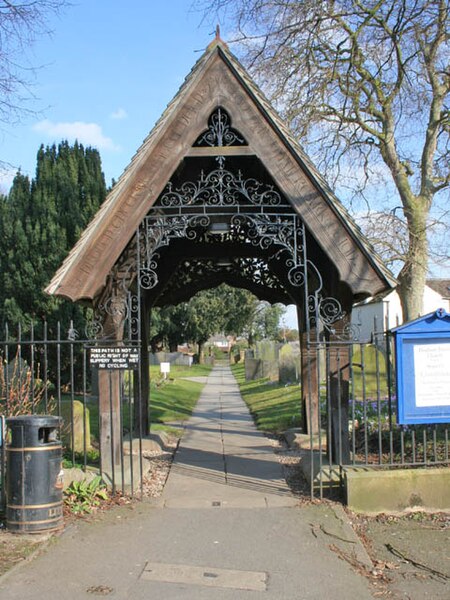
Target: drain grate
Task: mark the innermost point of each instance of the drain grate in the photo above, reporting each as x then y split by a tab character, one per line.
205	576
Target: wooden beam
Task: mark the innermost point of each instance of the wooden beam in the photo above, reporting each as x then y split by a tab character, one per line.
221	151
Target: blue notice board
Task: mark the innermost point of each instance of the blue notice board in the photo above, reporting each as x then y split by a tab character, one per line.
422	351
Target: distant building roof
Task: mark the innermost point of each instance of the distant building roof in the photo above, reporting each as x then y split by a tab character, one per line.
441	286
374	299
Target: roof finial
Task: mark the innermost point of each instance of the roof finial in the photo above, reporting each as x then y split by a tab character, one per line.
217	41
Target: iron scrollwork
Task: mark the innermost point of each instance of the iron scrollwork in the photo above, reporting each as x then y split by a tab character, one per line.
158	232
253	213
220	187
254	269
285	234
220	132
327	313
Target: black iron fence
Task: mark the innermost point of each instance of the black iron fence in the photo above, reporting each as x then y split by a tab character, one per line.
40	374
355	423
365	428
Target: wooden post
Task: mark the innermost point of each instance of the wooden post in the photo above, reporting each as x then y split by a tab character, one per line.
109	392
310	385
109	421
309	377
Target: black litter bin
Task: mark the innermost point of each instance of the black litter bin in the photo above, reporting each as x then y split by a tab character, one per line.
34	482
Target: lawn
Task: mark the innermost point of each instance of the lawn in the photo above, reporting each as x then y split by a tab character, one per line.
275	407
171	400
373	380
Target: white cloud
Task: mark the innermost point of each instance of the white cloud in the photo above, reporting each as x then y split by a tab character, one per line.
86	133
7	175
119	114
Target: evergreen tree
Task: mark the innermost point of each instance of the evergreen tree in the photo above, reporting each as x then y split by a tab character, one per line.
40	221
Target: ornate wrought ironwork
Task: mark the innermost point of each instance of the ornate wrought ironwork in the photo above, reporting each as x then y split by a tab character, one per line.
220	187
157	232
264	230
251	213
284	233
327	312
258	271
252	269
220	132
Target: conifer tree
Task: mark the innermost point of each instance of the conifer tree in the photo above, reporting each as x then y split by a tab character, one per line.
40	221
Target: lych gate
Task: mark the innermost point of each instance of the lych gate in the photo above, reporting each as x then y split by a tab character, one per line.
220	191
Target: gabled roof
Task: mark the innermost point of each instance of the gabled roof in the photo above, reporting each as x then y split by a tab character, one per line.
218	79
441	286
381	297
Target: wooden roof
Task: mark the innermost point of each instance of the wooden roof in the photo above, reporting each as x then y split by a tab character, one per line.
218	79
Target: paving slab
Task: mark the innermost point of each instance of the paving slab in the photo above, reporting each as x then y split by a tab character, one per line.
222	457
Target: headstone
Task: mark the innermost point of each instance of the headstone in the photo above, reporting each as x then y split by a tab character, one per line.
78	430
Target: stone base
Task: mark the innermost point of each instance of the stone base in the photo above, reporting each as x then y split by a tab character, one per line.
296	437
371	490
321	473
74	474
129	484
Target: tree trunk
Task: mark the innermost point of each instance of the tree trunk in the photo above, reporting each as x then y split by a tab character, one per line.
413	275
201	353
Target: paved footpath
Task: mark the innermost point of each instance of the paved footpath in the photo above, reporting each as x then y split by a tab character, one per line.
226	528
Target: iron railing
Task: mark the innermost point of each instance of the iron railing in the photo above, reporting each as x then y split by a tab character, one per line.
47	371
374	438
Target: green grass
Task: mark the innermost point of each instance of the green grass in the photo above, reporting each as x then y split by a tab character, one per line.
274	407
178	371
370	370
174	400
171	400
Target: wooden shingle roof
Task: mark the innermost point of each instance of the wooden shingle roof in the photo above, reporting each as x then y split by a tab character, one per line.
218	79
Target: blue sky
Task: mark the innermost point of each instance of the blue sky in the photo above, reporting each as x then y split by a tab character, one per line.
105	75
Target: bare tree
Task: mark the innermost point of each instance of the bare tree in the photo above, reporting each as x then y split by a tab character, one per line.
362	83
388	232
21	22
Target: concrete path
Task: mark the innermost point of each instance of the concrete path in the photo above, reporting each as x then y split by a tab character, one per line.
226	528
222	459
